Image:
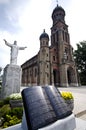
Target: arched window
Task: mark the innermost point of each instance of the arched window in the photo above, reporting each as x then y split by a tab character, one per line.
66	39
35	72
57	37
63	35
54	58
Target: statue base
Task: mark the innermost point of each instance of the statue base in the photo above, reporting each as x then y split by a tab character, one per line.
11	80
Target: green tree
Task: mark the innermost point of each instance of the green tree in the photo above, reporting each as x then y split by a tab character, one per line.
0	69
80	59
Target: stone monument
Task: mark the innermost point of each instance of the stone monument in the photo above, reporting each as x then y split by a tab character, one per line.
12	73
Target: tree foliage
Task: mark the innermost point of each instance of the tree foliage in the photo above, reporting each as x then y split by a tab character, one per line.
80	59
0	69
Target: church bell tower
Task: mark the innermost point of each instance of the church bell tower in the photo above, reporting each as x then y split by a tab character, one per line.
44	65
60	40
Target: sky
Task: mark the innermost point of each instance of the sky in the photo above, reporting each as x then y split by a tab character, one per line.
24	21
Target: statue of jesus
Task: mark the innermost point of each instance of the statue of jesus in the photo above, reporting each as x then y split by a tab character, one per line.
14	51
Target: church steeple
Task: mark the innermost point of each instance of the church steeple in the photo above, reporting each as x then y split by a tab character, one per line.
58	14
44	39
44	35
44	59
59	30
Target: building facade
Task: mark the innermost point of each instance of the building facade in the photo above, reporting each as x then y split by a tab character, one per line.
54	64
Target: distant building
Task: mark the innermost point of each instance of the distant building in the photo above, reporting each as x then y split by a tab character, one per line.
54	64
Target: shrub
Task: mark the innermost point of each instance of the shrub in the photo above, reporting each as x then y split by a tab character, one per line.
6	100
18	111
4	110
1	103
67	95
10	116
11	120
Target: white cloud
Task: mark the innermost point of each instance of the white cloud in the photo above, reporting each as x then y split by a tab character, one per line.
76	20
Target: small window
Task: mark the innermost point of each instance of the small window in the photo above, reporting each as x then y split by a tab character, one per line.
66	37
54	38
63	35
54	49
43	43
66	49
46	43
57	36
53	58
43	50
47	55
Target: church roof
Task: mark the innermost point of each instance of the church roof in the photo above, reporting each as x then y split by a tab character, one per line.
58	8
44	35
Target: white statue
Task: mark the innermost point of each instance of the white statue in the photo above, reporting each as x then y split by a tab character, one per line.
14	51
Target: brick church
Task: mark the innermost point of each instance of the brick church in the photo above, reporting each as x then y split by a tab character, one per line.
54	64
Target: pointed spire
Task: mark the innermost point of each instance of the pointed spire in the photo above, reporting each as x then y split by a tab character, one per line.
44	31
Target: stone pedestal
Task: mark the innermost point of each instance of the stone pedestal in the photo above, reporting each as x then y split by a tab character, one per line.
11	80
16	103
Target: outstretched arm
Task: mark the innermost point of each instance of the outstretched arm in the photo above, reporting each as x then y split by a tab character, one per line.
22	48
8	44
